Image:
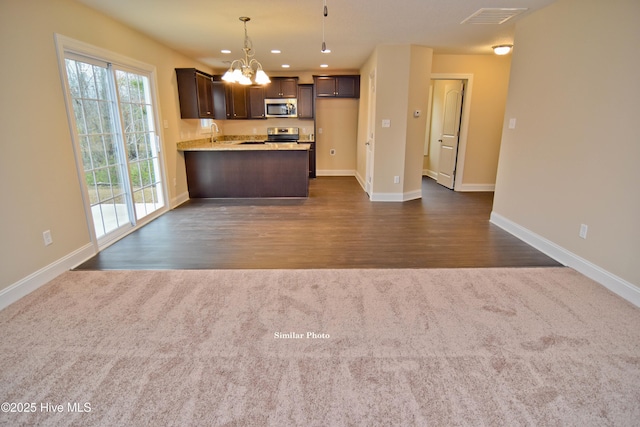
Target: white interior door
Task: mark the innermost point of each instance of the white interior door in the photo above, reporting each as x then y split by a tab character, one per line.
450	133
370	133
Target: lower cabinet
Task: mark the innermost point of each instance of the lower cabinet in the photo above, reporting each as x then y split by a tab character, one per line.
312	160
259	173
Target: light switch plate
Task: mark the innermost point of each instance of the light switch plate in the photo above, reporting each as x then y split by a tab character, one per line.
386	123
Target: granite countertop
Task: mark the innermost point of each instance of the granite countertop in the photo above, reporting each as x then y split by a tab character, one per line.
238	145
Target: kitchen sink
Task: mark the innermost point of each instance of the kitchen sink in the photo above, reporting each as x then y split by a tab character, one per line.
252	142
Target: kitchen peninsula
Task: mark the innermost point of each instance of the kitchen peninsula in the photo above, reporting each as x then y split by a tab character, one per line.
246	168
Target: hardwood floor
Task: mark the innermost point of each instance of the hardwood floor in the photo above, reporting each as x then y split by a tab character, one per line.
336	227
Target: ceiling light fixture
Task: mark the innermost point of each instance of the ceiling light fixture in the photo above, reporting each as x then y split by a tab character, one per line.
325	12
502	49
242	70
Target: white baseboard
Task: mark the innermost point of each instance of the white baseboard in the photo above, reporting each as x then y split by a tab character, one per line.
361	181
32	282
476	187
462	187
179	199
615	284
336	172
396	197
430	173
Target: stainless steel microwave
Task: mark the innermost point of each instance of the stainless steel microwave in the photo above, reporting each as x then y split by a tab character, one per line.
281	107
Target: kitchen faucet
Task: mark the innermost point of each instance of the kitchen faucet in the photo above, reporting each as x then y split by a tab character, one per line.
214	124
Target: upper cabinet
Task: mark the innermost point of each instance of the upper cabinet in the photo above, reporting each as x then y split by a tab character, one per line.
305	101
282	87
337	86
195	91
236	101
256	102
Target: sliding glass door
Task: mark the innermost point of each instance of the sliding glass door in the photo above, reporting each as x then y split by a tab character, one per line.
142	145
114	124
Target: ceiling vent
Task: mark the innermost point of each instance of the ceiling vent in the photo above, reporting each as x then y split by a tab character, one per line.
497	15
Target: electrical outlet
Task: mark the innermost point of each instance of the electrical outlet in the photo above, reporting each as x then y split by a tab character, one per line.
583	230
46	236
332	152
396	179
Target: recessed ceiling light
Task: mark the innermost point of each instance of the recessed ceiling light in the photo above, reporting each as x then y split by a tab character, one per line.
285	65
225	51
324	65
276	51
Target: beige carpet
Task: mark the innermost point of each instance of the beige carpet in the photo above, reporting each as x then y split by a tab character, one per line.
470	347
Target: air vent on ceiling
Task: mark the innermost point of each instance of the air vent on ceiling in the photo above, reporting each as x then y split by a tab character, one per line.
497	15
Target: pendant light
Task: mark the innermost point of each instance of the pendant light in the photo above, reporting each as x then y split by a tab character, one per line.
243	69
325	12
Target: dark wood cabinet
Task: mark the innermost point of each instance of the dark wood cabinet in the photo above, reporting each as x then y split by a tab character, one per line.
282	87
219	100
236	101
347	86
195	93
255	96
312	159
305	101
247	173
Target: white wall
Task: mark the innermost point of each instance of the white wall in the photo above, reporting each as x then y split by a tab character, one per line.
338	120
402	86
39	186
573	157
486	112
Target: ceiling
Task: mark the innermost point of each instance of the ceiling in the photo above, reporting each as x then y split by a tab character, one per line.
202	28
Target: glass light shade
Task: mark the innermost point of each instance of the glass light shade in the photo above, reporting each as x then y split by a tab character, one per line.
228	76
502	50
244	80
237	75
262	78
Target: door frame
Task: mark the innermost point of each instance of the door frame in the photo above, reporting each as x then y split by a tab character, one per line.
371	129
464	122
63	44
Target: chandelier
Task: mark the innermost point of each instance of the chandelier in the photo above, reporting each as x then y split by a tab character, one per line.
243	69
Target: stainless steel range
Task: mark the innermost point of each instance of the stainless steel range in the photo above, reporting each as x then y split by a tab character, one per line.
282	135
